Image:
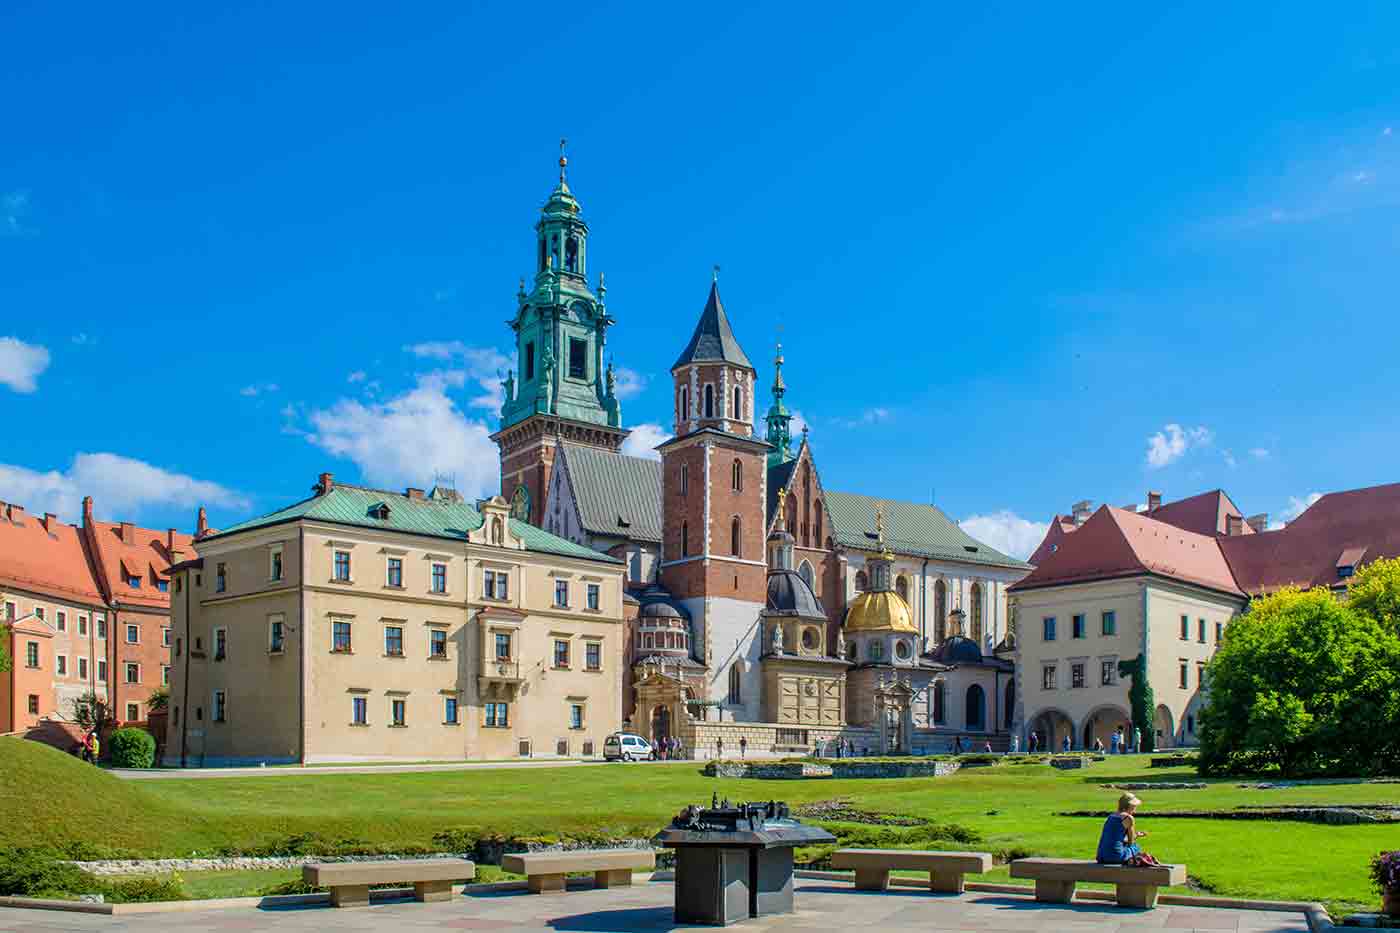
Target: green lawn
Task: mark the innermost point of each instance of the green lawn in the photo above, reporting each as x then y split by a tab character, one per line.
1012	807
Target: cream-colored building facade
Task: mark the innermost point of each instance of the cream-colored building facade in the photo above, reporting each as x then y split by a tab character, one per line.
364	625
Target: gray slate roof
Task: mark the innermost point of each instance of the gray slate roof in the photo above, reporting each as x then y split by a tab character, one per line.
910	528
713	340
612	489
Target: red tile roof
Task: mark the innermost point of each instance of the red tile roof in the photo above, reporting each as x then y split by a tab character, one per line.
148	557
1060	526
1205	514
44	560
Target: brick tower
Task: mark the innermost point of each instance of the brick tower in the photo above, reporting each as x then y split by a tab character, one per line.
713	498
564	393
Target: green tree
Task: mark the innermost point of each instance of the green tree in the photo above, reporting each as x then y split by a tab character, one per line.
1375	592
159	699
90	710
4	648
1306	684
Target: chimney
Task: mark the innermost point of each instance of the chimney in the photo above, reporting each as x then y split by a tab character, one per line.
201	524
413	493
1234	525
128	533
1082	510
16	513
1154	500
170	540
1258	522
51	523
324	484
87	511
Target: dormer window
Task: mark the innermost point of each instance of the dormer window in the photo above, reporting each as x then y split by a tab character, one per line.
380	511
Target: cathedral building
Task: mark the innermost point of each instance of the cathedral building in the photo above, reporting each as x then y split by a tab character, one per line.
761	605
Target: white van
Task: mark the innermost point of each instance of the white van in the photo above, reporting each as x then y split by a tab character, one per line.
626	746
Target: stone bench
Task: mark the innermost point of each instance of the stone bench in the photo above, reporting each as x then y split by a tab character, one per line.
945	869
1137	887
545	871
349	881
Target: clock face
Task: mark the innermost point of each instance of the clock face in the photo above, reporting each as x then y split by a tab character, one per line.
520	504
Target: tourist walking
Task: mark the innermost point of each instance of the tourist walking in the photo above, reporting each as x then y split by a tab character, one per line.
719	747
92	745
1115	740
1034	742
1066	743
1118	839
680	748
1015	743
743	745
1137	739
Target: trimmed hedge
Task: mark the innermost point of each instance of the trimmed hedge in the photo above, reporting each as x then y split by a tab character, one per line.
132	748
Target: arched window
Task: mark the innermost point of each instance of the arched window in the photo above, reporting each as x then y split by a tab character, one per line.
497	533
940	701
976	707
817	521
709	401
735	538
901	586
737	475
976	628
940	611
805	572
736	695
738	404
791	517
685	480
862	581
571	254
1010	703
685	539
685	403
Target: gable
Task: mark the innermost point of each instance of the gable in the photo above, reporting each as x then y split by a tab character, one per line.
615	494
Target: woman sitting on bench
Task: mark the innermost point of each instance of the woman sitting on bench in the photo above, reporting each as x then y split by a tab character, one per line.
1118	841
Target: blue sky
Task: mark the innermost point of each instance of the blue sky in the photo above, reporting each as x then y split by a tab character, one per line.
1019	258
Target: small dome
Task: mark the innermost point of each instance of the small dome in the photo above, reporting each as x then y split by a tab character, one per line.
958	650
660	610
881	610
788	592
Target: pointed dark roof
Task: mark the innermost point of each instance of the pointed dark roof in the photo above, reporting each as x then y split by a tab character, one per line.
713	340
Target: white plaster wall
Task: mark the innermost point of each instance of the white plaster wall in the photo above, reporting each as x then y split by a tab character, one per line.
731	628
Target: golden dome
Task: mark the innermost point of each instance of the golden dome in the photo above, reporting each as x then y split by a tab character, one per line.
879	611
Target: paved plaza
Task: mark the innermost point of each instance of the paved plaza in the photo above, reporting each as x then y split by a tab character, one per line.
822	905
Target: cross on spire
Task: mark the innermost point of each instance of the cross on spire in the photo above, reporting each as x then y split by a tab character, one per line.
563	159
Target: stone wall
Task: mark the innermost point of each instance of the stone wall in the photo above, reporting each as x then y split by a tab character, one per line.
710	740
835	768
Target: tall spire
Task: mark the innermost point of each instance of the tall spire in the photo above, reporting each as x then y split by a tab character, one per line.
778	419
563	164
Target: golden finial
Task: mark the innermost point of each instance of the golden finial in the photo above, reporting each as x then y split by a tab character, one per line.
563	160
714	273
880	525
782	512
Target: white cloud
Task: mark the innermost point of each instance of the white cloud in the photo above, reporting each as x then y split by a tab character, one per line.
13	206
1229	459
643	439
84	340
484	365
1259	453
21	363
357	376
1171	443
1007	532
1387	131
799	423
1296	506
875	415
257	388
409	438
630	383
120	487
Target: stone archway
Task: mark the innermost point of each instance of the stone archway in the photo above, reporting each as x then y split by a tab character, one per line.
1051	725
975	709
1164	727
660	724
1103	722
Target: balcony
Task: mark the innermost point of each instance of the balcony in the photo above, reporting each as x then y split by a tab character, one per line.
499	678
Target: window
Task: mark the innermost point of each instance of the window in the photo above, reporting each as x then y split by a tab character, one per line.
439	583
1200	673
876	651
133	712
449	711
862	581
60	665
804	570
940	702
738	403
133	672
575	715
578	358
709	401
11	610
340	637
1048	628
735	538
397	711
220	708
1201	631
593	656
359	711
31	654
561	594
33	704
736	476
502	646
133	581
101	628
685	539
1110	623
1076	674
342	566
592	597
530	356
437	643
82	668
220	578
62	621
1219	631
165	675
498	715
165	636
220	644
1047	677
133	634
394	572
901	586
1106	672
561	652
685	479
274	568
275	635
163	585
1184	679
736	695
39	611
496	584
82	625
1185	628
393	641
101	671
1078	626
976	627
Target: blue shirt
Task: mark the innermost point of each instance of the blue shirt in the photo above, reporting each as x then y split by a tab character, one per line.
1112	849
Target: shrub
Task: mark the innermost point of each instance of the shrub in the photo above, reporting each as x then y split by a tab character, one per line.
135	890
1385	872
31	872
132	748
295	886
456	840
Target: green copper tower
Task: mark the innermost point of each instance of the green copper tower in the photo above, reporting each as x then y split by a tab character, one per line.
778	418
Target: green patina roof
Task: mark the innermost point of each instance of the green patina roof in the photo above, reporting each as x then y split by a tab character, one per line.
435	517
910	528
616	494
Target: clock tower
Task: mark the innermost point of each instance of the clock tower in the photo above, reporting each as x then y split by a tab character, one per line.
562	392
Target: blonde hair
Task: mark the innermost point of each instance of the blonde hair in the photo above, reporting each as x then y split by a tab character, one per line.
1128	801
